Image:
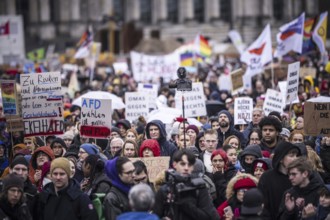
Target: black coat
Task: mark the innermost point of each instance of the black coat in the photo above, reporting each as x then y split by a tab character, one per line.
115	203
70	203
18	212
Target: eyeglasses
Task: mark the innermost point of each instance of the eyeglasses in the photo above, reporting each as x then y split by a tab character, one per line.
129	172
82	152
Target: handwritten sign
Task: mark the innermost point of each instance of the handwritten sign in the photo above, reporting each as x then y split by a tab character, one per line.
95	117
147	68
155	165
136	105
42	105
237	79
14	123
152	91
317	118
307	71
273	102
292	82
8	92
243	110
194	101
283	86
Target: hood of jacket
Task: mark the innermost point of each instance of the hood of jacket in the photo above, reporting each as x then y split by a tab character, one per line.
45	149
161	127
230	117
230	192
111	171
281	150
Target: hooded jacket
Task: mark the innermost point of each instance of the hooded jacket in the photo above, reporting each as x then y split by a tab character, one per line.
231	131
273	183
166	147
253	150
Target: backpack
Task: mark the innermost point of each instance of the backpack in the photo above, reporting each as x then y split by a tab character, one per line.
97	200
210	186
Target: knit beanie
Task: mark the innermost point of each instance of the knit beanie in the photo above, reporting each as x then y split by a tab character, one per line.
193	127
90	148
13	180
245	183
19	160
61	162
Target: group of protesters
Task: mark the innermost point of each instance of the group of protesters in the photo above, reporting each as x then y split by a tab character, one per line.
265	169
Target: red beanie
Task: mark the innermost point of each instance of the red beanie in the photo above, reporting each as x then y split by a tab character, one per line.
245	183
153	145
261	164
194	128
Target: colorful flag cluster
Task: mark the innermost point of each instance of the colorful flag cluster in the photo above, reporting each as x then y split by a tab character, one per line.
83	45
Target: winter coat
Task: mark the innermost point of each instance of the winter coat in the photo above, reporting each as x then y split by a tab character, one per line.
18	212
137	216
253	150
115	203
69	203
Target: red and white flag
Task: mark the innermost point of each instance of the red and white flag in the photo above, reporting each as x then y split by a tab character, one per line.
84	45
4	28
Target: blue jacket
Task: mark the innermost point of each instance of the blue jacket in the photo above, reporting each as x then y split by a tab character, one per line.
137	216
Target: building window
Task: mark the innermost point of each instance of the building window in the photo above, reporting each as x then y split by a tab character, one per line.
225	10
118	9
278	6
172	10
199	10
145	7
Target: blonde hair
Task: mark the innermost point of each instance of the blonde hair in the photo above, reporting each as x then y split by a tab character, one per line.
226	142
296	132
315	160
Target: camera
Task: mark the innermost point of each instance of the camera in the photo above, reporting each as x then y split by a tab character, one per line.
182	83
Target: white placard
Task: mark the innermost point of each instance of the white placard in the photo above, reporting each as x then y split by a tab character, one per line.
283	85
152	93
224	82
243	110
136	105
95	117
194	101
42	105
147	67
120	67
292	82
273	102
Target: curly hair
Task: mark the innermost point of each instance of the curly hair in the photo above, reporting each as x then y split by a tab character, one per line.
270	120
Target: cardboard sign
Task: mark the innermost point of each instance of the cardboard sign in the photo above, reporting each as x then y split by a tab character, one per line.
292	82
307	71
194	101
243	110
273	102
95	117
152	91
14	123
136	105
8	92
42	104
155	165
317	118
237	79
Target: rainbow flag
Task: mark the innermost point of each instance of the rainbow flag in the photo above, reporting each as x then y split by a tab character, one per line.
187	58
203	49
308	44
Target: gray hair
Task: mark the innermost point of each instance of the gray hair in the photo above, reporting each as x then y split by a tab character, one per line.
141	198
117	139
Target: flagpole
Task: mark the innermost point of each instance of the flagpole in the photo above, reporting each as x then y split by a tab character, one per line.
272	72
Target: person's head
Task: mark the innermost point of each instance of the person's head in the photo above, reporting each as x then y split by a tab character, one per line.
239	184
60	173
211	140
17	148
72	168
192	132
324	193
13	186
255	136
284	153
219	160
231	153
131	134
149	148
87	149
123	126
300	123
315	160
31	143
250	153
20	167
214	121
41	155
115	132
259	167
299	172
224	120
183	126
200	142
233	141
125	169
68	138
154	132
116	144
297	136
59	147
252	202
140	173
141	198
183	162
182	139
285	134
257	115
92	165
130	148
270	129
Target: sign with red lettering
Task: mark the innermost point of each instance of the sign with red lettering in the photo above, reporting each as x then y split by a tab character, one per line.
243	110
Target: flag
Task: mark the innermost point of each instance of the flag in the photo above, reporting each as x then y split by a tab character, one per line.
4	29
290	37
236	39
83	45
35	55
308	44
320	32
203	50
186	58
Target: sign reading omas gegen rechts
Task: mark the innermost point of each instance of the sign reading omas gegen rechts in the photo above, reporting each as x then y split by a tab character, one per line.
42	105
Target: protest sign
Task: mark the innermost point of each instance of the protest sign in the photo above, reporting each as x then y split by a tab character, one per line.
8	92
243	110
147	67
152	91
136	105
155	165
120	67
42	104
95	117
283	86
224	82
14	123
273	102
292	82
237	79
194	101
307	71
317	116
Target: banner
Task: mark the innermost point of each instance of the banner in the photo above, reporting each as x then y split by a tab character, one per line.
237	79
292	82
307	71
317	118
42	104
273	102
146	67
194	101
243	110
95	117
152	91
155	165
136	105
14	123
8	92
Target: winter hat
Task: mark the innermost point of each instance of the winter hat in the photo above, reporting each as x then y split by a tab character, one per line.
193	150
193	127
19	160
68	135
90	148
252	202
60	141
152	144
275	114
61	162
261	164
245	183
19	146
285	132
125	123
13	180
115	129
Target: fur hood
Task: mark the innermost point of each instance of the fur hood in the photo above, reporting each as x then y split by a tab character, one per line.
230	187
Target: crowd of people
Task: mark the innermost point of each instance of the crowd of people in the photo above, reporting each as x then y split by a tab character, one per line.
265	169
